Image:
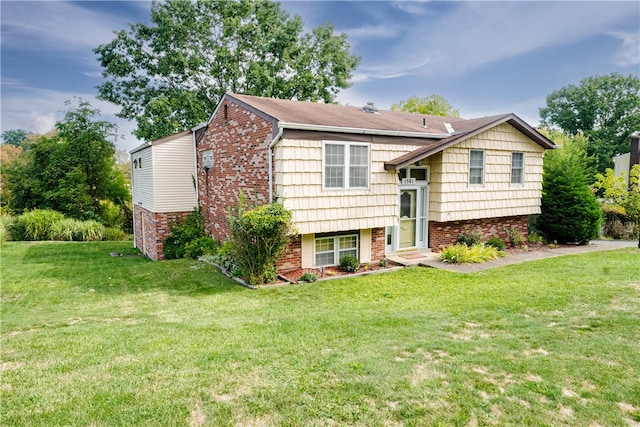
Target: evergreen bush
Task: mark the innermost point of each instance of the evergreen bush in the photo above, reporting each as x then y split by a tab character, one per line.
570	211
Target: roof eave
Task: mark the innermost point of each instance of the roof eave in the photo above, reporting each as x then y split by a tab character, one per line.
512	119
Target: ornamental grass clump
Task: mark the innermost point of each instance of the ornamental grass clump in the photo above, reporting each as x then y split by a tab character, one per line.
460	253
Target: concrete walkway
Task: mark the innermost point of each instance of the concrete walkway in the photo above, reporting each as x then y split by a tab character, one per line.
430	259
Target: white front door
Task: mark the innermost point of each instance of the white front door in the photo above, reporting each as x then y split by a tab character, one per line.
413	203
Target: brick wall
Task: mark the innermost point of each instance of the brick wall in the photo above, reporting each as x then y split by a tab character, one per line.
292	258
378	236
152	229
443	234
240	141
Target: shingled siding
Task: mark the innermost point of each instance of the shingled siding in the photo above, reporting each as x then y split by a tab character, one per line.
453	199
240	144
299	181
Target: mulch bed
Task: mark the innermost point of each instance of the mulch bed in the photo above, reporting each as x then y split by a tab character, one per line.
330	272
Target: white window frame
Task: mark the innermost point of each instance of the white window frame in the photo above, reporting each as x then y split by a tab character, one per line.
482	169
521	168
337	250
346	165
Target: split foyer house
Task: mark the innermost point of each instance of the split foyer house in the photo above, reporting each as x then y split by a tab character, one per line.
365	182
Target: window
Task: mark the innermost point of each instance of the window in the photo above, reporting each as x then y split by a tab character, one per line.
329	250
346	165
517	168
476	167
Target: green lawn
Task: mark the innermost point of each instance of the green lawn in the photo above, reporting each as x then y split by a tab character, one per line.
93	340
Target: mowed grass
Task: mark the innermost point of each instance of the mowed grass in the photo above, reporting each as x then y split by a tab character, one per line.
89	339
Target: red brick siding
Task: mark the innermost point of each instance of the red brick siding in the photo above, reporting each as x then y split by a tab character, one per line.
292	258
240	144
378	236
151	230
443	234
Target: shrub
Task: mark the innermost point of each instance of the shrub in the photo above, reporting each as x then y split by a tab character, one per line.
349	264
181	233
461	253
308	277
6	222
203	245
114	234
470	239
496	242
570	211
516	238
534	238
258	237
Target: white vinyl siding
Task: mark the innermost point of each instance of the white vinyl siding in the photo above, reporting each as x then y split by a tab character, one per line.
346	165
476	167
330	250
517	168
162	175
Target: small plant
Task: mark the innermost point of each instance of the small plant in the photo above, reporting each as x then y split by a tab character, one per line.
382	262
349	263
534	238
516	238
497	243
203	245
308	277
470	239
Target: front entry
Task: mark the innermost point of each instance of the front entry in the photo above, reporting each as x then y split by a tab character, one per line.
413	204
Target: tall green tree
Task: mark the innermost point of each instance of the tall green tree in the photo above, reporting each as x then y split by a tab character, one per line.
434	105
606	109
170	75
570	211
71	170
15	137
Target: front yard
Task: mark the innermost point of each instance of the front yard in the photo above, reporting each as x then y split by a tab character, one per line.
91	339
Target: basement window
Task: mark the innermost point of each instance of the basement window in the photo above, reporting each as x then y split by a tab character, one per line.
330	250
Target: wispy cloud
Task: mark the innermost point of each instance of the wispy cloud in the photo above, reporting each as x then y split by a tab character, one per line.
57	26
472	34
629	53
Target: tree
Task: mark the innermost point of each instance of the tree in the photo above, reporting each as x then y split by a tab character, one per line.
570	211
620	203
606	109
71	170
15	137
434	105
170	75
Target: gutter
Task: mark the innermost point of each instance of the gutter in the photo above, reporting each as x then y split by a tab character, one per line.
274	141
362	131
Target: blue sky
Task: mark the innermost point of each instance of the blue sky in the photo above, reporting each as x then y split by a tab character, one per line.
484	57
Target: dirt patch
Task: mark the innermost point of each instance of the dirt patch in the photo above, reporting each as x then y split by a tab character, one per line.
197	417
323	273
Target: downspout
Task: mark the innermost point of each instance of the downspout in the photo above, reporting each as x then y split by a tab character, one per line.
274	141
195	166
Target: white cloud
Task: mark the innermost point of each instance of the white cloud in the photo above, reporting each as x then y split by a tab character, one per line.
473	34
629	53
415	7
37	110
58	25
